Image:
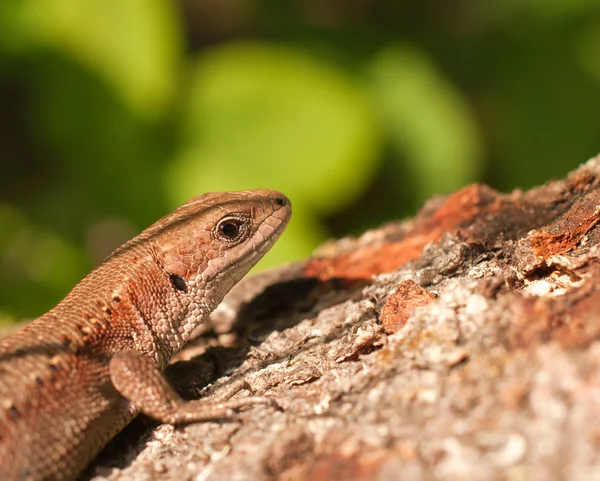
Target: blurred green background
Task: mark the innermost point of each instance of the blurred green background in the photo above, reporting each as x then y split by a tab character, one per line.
114	112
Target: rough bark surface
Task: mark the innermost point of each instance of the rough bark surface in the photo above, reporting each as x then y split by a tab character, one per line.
460	344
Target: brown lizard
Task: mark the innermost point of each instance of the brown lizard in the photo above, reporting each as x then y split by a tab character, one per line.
73	378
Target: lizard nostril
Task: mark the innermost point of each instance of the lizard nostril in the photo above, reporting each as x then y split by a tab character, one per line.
280	200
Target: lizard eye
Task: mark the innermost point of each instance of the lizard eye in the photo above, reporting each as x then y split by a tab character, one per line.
231	229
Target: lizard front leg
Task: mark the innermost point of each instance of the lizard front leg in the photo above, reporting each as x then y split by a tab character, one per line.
137	378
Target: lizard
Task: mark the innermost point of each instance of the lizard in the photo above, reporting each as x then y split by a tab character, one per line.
73	378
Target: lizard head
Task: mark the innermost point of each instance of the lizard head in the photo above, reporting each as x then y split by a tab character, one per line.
208	244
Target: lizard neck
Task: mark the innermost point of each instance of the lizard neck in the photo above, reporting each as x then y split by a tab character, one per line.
163	318
163	315
136	303
171	327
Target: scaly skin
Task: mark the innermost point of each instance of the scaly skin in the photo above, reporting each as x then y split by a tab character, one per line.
72	379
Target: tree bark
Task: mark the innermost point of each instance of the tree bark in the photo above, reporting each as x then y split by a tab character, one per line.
460	344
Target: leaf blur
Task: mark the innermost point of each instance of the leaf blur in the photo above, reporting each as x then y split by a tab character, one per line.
112	113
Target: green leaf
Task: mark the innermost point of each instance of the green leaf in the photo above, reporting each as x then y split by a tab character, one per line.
133	45
35	255
588	49
260	115
430	124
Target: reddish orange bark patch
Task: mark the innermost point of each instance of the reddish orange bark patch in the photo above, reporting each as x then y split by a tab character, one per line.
564	234
401	303
387	256
363	465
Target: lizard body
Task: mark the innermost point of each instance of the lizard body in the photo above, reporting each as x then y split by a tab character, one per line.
73	378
